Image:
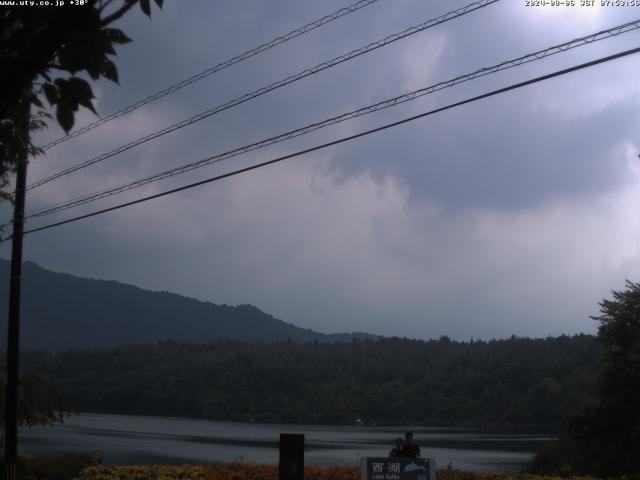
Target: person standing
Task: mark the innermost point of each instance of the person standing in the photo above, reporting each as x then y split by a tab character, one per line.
410	449
397	450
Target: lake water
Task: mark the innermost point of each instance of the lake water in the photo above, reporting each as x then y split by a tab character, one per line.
128	439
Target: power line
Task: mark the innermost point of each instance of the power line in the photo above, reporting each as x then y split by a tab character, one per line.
281	83
539	55
341	140
221	66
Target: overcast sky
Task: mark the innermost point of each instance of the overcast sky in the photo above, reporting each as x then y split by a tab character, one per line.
512	215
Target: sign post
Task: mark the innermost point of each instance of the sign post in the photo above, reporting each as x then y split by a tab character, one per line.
291	456
397	468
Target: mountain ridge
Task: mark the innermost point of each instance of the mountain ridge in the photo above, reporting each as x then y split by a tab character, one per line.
61	311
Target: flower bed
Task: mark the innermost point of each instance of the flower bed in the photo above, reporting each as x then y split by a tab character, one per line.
266	472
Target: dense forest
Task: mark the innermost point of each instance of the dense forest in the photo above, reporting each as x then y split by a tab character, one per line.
499	383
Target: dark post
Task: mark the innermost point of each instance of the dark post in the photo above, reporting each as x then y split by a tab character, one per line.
291	456
13	336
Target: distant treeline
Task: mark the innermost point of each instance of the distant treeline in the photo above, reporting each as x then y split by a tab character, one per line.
513	382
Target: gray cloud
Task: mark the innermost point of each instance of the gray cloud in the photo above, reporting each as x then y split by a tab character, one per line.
514	215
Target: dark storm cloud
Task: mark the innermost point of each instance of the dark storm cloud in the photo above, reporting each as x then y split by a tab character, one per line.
505	155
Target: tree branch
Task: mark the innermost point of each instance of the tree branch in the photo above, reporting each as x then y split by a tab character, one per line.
128	4
104	5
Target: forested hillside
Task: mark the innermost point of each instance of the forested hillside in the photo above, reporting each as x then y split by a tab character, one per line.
61	311
391	381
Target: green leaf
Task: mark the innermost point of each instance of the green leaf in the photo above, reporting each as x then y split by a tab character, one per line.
159	3
109	70
51	93
65	117
146	7
115	36
93	69
80	88
81	91
67	97
88	104
36	101
107	47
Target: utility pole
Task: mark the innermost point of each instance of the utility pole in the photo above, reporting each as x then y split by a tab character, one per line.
13	335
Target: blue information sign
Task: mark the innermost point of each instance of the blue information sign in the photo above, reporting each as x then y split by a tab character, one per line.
397	468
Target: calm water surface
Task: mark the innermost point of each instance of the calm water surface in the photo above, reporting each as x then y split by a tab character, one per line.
128	439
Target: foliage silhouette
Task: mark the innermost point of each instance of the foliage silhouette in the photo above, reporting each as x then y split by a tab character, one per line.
44	50
513	382
603	438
